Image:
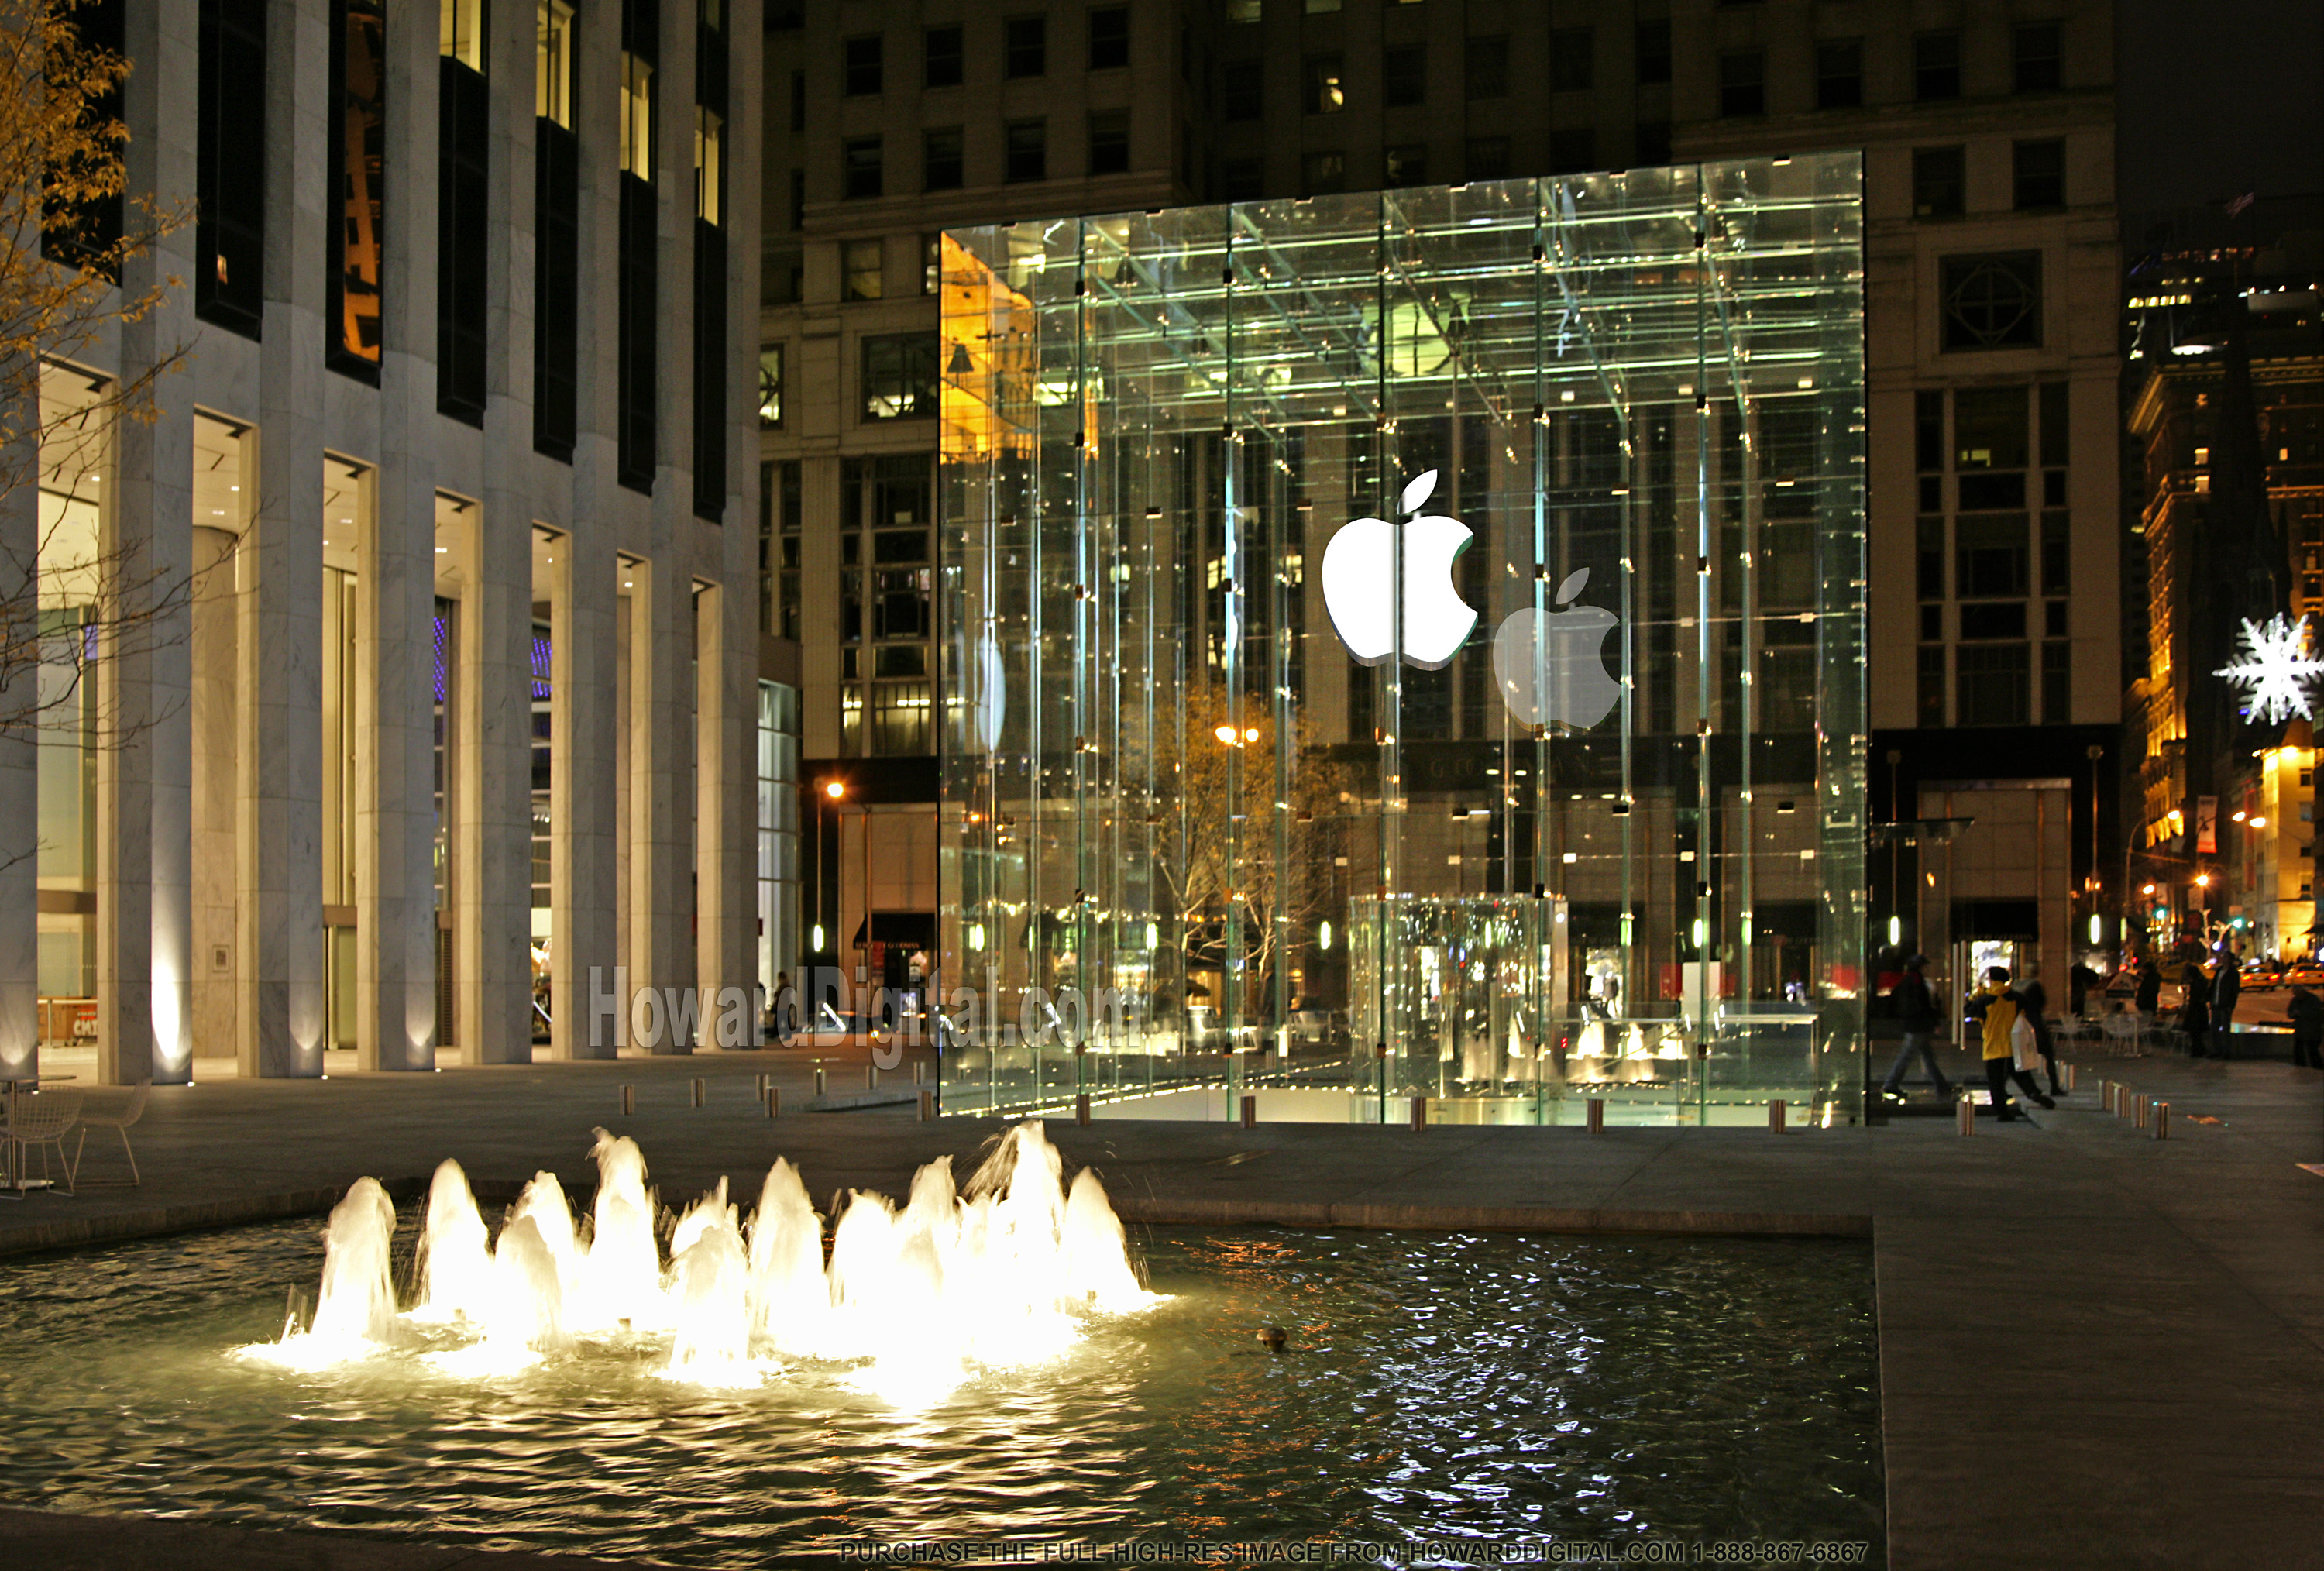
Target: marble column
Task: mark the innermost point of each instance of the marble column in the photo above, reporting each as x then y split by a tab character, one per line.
20	787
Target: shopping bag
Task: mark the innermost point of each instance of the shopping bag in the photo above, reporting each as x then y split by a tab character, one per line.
2025	1047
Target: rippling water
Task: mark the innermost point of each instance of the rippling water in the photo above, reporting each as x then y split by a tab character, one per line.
1435	1386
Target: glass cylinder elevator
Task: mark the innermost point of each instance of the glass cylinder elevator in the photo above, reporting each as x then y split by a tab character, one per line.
1409	645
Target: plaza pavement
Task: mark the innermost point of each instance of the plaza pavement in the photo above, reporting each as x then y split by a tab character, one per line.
2097	1349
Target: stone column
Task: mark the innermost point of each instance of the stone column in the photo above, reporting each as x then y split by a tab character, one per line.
211	709
724	814
395	606
278	579
660	723
584	704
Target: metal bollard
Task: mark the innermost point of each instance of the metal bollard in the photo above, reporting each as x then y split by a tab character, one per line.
870	1077
1420	1112
2162	1121
2068	1076
1965	1116
2139	1107
760	1086
919	1071
927	1107
629	1100
774	1099
1596	1115
1775	1116
1081	1106
818	1079
1250	1111
2106	1089
701	1093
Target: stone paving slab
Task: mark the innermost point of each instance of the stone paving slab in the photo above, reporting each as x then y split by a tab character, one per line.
2097	1348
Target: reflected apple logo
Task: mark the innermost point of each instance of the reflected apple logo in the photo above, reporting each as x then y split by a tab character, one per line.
1551	664
1359	584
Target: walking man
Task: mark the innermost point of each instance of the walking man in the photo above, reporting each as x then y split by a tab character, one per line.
1916	1014
2149	993
1998	1007
2306	1014
2035	999
2195	1010
2227	984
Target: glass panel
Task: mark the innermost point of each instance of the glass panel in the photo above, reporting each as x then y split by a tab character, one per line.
1475	573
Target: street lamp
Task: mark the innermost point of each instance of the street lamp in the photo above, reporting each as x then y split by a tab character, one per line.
833	789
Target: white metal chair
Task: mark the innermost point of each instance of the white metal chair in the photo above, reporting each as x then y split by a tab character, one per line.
44	1120
117	1121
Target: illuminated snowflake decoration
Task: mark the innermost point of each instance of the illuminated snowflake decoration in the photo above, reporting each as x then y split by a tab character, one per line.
2275	668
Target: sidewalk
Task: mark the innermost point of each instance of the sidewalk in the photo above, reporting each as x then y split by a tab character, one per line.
2097	1348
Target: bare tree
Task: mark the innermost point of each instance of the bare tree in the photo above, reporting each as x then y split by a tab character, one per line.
70	232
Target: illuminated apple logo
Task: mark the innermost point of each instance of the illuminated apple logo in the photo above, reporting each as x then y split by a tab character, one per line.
1360	584
1550	664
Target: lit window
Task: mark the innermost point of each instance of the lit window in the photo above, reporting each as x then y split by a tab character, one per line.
637	117
460	33
1326	85
860	270
770	384
552	74
709	145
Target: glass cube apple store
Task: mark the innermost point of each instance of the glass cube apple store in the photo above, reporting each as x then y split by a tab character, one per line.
1407	648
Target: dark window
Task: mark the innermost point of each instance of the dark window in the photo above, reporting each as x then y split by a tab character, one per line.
1025	46
1326	85
899	376
1652	142
1839	73
2000	619
1323	173
1991	558
2054	614
1572	150
2038	171
1936	65
1109	143
1929	558
1489	158
1403	76
2055	449
2057	683
2053	488
1939	183
1933	623
1929	429
1992	301
1572	58
1241	179
1989	427
859	167
463	224
1743	82
557	287
1991	681
2057	557
710	367
1242	85
1026	150
2038	59
358	151
798	199
1930	685
1109	39
1651	44
940	159
85	234
1982	490
940	57
1487	67
1405	166
230	167
860	65
798	101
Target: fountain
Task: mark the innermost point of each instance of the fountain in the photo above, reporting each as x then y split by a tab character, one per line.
1004	1274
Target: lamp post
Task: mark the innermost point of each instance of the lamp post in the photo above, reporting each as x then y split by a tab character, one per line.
833	789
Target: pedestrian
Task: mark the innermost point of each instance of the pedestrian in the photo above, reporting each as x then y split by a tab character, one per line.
2034	999
1997	1009
1916	1008
2306	1014
2149	995
2226	986
2195	1011
2079	979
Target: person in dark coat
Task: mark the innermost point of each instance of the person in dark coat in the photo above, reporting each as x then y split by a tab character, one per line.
2195	1011
2306	1011
2226	986
1915	1008
2034	1001
2149	996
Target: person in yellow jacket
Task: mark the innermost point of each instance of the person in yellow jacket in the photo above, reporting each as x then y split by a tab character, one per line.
2000	1009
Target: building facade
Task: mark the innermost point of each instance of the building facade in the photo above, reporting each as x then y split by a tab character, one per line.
2227	427
1992	338
461	703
